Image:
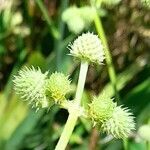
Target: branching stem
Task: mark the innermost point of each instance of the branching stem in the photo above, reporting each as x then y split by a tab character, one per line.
73	115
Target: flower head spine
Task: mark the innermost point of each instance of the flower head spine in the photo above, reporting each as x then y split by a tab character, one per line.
30	85
57	87
121	124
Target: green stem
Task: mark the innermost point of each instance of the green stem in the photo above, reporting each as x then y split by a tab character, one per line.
125	144
148	145
73	116
111	70
68	129
49	22
81	82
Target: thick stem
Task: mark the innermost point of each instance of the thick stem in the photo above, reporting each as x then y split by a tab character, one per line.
74	113
68	129
81	81
125	144
111	70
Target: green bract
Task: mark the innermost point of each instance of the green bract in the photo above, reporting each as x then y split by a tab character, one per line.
101	110
57	87
87	47
120	124
30	85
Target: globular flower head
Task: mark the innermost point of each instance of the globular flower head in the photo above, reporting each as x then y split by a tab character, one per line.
87	47
30	85
58	86
101	109
121	124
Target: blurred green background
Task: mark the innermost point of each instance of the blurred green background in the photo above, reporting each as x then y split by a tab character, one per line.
37	32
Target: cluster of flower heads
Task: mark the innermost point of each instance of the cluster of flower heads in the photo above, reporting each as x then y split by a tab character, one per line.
42	91
110	118
103	112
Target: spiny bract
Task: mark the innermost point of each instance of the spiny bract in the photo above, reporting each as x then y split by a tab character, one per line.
58	86
87	47
30	85
121	124
101	109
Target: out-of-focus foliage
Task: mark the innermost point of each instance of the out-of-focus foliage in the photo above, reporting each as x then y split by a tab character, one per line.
145	3
78	19
37	32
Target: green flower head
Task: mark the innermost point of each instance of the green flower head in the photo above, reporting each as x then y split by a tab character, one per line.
58	86
87	47
30	85
121	124
101	109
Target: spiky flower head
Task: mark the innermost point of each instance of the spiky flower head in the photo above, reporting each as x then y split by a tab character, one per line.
30	85
87	47
101	109
121	124
58	86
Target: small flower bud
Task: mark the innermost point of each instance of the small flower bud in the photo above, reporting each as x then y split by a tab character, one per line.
58	86
30	85
101	109
120	124
88	47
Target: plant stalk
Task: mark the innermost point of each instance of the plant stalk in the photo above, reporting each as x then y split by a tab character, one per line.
73	114
59	42
111	69
48	20
81	82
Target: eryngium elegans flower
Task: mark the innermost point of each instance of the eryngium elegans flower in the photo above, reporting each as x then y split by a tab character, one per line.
87	47
58	86
121	124
101	109
30	85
